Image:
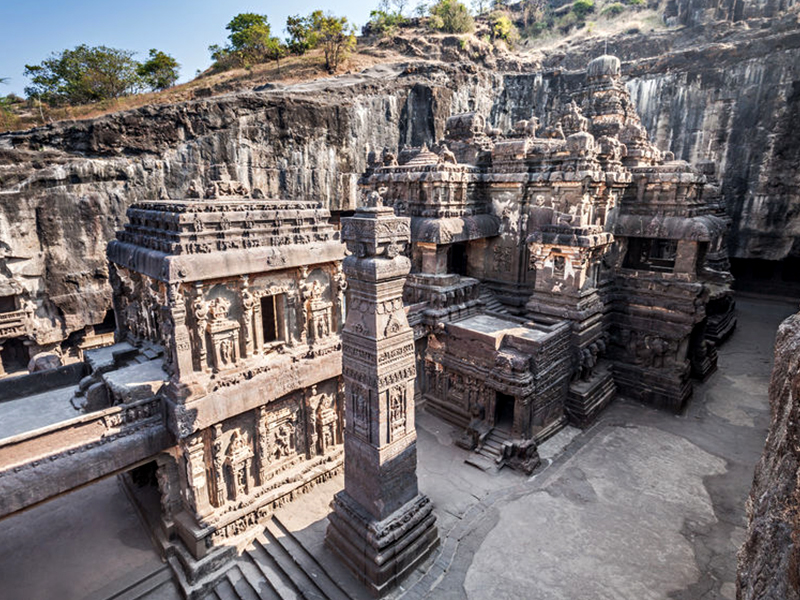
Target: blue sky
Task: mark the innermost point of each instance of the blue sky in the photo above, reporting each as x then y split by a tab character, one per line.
31	29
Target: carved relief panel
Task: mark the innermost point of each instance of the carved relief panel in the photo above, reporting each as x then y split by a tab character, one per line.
361	411
396	397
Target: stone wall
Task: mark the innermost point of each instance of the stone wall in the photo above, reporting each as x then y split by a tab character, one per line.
769	560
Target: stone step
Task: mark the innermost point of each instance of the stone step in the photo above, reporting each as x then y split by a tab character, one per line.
242	586
498	436
494	445
290	565
139	586
488	453
490	302
224	590
306	561
280	583
481	462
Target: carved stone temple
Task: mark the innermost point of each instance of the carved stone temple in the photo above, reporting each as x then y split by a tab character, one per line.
555	268
381	525
508	282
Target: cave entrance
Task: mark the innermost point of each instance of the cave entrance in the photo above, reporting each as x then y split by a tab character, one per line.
14	355
457	258
504	411
108	325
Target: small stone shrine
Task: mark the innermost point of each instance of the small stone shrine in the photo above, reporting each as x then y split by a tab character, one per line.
381	525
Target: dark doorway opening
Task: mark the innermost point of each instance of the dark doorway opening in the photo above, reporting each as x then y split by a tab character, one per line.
504	411
457	258
14	355
108	325
268	319
7	304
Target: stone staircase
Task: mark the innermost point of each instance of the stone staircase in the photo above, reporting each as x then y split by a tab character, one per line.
150	584
490	302
492	448
276	566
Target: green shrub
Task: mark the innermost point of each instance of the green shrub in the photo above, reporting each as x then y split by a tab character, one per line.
635	2
383	23
537	29
451	16
581	8
613	10
502	28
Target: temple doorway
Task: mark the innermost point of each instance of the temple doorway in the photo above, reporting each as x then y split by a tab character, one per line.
504	411
457	258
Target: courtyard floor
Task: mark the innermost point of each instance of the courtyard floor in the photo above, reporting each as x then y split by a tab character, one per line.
643	505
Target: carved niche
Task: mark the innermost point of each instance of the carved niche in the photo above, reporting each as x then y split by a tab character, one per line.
359	396
224	334
318	307
397	412
238	459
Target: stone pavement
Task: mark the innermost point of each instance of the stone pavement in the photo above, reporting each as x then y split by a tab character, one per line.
644	505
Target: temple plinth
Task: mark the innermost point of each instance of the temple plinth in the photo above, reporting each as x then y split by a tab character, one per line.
381	526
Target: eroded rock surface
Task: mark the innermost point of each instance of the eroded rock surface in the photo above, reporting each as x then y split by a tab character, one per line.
769	559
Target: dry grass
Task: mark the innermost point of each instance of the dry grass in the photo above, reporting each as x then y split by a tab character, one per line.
292	69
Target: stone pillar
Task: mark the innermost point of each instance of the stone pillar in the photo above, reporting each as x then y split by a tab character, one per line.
200	308
181	346
248	302
197	493
381	526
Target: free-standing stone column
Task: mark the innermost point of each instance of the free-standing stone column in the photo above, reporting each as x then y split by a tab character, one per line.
381	526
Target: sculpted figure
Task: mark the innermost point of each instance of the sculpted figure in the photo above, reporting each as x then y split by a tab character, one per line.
389	158
447	156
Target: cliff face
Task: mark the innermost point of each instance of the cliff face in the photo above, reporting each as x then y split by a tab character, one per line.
769	560
728	94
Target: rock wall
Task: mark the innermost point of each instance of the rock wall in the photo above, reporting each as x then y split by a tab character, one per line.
769	560
729	95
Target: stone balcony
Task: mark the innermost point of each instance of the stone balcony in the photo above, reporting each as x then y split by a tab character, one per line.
13	324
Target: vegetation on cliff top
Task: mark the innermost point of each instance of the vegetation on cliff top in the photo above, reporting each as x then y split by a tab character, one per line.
88	81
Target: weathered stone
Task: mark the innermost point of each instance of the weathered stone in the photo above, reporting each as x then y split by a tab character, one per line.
769	558
381	525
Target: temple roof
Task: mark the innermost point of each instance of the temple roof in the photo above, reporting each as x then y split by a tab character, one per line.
199	239
702	229
454	229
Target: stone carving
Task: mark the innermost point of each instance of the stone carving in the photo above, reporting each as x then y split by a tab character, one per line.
379	507
238	458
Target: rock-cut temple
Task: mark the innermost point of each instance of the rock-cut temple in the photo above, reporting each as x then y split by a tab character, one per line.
538	273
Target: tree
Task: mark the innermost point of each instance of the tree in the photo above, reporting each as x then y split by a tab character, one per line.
250	42
581	8
480	6
82	75
451	16
302	35
336	37
160	71
276	50
5	106
383	23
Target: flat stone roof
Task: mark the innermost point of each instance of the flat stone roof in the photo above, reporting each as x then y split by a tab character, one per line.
102	359
490	327
137	381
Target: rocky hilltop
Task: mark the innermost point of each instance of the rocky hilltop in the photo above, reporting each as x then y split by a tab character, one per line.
721	89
